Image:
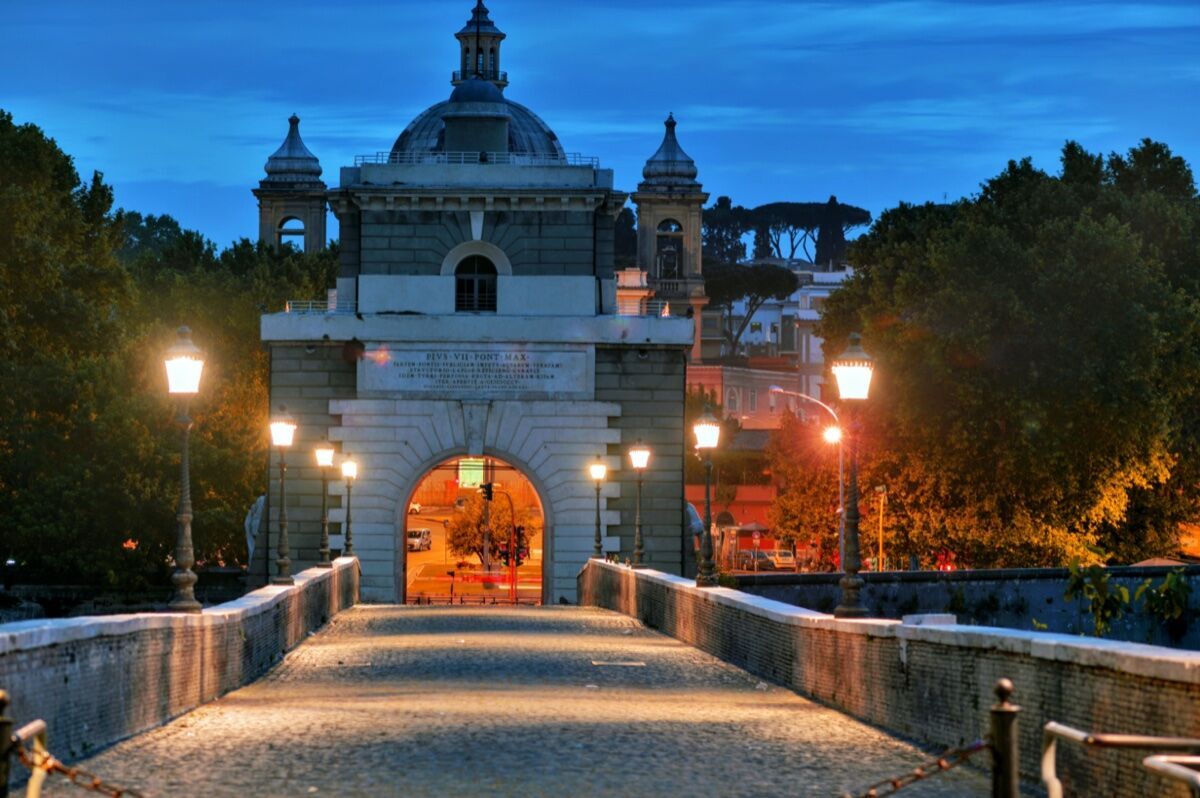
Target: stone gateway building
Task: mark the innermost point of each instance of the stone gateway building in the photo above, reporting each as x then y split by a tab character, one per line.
473	339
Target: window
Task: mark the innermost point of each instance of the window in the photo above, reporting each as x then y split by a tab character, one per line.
670	250
753	400
670	226
756	327
475	286
731	400
291	231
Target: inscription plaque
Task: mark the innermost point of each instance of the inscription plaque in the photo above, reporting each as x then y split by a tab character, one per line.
477	372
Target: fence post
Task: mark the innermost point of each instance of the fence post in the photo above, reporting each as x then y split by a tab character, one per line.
6	730
1006	751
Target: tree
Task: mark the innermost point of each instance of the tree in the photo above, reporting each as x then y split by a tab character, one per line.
88	447
466	532
805	470
817	230
837	220
1037	360
724	228
755	284
625	239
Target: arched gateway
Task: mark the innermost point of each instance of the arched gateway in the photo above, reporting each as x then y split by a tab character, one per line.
475	316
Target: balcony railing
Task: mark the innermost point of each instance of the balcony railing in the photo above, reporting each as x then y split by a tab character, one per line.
306	307
499	76
475	158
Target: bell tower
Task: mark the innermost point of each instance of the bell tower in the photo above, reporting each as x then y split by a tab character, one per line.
479	44
291	198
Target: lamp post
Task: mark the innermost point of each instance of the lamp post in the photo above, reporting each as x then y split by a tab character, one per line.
832	435
349	473
708	435
853	370
324	454
283	434
598	472
639	457
185	364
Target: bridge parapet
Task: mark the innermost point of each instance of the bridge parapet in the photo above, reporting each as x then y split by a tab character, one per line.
927	679
100	679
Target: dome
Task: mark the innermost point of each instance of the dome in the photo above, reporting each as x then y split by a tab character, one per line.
293	162
670	166
527	133
477	90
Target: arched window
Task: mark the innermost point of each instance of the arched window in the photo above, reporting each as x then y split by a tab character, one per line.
669	252
291	231
731	400
475	285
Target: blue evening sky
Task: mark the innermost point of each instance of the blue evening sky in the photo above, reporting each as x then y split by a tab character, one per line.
179	104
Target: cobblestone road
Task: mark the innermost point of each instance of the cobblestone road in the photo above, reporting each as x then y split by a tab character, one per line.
396	701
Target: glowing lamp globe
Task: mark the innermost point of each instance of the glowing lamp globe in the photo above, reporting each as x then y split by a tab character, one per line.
833	434
324	456
853	370
598	470
639	456
185	364
349	469
283	430
707	430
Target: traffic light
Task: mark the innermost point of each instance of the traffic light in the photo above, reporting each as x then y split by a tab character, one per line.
486	487
521	552
504	554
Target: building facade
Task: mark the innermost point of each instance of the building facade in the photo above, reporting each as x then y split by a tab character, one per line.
475	316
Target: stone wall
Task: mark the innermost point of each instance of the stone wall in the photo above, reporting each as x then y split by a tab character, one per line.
304	379
649	385
98	680
537	243
1013	598
932	683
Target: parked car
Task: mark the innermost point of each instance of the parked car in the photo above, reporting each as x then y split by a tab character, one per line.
414	508
754	560
782	559
420	540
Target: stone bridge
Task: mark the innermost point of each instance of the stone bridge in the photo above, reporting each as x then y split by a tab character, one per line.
653	688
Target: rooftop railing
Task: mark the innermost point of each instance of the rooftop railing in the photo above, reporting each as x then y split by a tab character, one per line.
499	76
306	307
476	158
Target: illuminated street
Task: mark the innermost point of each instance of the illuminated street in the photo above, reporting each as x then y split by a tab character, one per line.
531	702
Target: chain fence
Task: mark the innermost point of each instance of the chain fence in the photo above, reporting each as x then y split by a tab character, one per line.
934	767
28	746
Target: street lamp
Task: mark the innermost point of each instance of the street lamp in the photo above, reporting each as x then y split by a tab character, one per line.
283	434
185	364
853	370
832	435
349	473
639	457
598	471
708	435
324	454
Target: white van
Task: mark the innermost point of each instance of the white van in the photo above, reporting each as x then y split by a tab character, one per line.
420	540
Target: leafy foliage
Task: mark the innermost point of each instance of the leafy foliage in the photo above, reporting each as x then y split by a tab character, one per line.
1107	602
1037	360
815	230
724	228
466	533
88	446
805	469
1168	601
726	284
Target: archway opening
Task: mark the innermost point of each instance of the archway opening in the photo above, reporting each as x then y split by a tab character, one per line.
475	534
291	231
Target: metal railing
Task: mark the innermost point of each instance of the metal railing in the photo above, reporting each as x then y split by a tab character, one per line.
316	307
500	76
476	158
1171	767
